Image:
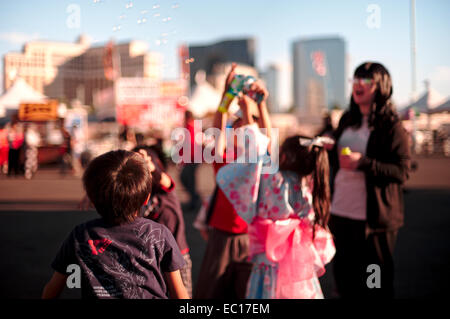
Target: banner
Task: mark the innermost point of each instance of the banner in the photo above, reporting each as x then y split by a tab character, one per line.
162	112
39	111
136	90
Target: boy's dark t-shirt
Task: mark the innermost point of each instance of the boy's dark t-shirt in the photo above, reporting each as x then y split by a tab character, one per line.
125	261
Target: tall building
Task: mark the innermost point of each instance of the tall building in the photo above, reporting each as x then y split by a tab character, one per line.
272	80
319	75
206	57
76	70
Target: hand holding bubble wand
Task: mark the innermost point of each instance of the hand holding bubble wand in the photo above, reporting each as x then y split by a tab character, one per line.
237	83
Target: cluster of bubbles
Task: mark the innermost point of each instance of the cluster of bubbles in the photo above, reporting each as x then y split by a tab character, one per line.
154	13
142	20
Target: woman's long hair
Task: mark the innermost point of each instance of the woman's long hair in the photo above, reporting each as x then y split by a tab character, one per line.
305	161
382	110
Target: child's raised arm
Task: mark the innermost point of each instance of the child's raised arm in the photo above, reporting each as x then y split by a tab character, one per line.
220	118
264	119
175	285
55	286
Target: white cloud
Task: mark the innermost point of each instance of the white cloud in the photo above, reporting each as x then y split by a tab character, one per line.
18	37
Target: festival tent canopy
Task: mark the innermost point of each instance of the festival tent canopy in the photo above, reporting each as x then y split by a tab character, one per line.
204	99
426	103
19	92
444	107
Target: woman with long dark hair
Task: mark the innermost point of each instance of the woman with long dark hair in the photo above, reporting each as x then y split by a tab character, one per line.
370	162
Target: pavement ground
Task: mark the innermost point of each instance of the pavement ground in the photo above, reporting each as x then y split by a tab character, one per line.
37	215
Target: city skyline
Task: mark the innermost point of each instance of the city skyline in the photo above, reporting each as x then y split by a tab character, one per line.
372	30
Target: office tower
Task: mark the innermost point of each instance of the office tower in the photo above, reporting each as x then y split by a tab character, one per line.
319	75
207	57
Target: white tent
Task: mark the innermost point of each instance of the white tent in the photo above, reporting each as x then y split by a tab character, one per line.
19	92
444	107
426	103
204	99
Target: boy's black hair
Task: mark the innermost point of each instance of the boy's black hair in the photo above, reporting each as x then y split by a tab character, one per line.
118	184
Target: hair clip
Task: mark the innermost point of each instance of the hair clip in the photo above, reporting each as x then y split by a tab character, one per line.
317	141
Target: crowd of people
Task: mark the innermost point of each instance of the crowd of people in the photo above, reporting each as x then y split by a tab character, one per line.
20	142
18	149
336	197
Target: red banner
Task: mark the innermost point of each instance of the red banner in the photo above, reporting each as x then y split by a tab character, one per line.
156	113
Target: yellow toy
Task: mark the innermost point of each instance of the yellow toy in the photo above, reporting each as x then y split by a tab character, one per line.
346	151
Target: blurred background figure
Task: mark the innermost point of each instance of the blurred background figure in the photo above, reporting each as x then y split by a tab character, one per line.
32	142
327	128
4	147
65	150
127	138
77	147
15	142
187	176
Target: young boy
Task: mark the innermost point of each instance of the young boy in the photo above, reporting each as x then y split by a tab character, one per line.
121	255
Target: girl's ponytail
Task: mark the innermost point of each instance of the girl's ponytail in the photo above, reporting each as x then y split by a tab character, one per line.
308	160
321	188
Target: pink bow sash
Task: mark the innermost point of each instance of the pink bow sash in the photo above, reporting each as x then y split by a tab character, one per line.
289	242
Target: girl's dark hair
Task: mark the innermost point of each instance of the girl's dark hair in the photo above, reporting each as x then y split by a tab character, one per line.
118	184
382	110
305	161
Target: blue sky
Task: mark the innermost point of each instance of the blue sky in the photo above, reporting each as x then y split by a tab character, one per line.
274	24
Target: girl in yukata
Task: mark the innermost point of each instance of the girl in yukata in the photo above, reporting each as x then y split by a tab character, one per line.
287	213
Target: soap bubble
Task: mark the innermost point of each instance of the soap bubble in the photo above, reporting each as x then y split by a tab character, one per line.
143	20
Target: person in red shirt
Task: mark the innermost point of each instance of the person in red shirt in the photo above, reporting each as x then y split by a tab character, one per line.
4	149
225	270
15	142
